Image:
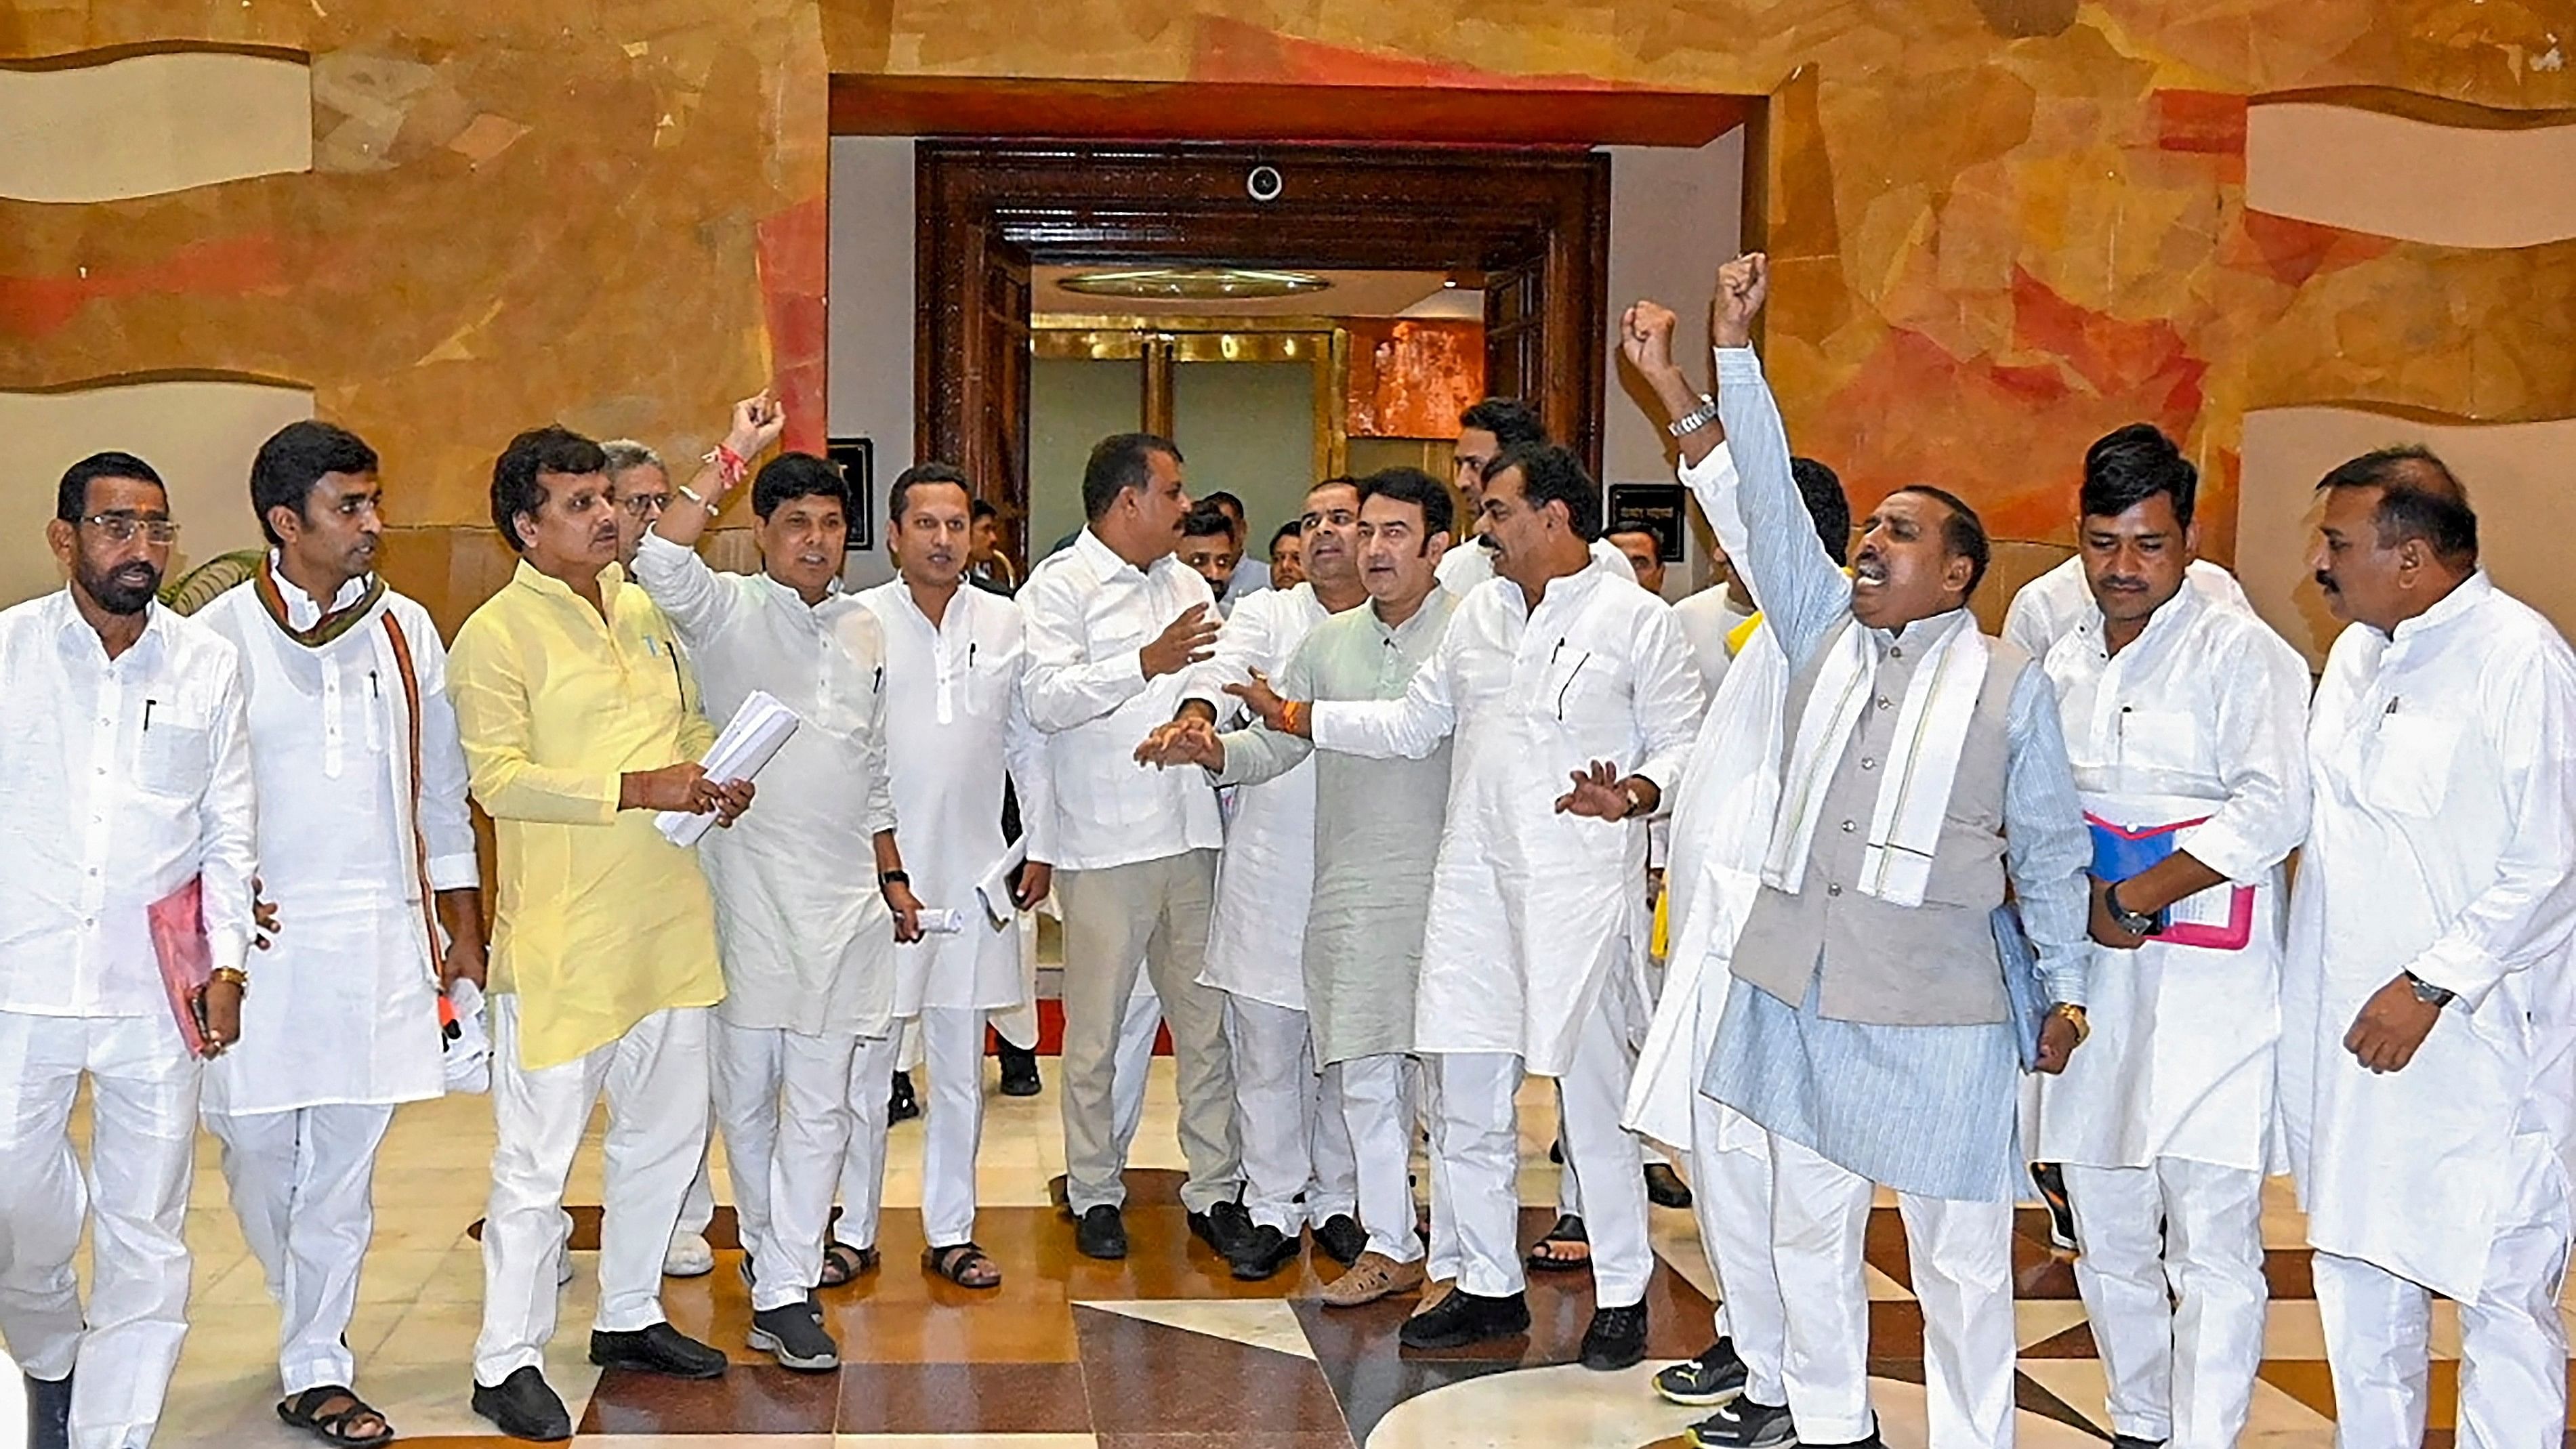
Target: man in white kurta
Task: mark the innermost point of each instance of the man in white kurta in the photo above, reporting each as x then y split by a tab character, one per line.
957	728
809	889
2428	1060
126	775
367	847
1297	1169
2049	607
2179	711
1557	668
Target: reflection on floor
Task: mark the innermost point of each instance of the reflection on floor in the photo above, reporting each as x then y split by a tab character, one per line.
1162	1351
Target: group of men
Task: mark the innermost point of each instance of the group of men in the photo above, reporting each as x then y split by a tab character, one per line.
1383	839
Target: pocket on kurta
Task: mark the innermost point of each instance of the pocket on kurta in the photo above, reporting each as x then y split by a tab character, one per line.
171	760
2409	768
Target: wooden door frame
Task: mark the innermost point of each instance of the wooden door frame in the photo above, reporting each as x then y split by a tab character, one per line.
1458	209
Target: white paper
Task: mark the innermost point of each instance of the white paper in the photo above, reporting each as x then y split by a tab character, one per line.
750	738
941	920
993	888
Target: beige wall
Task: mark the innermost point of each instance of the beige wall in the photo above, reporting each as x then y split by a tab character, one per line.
2517	477
2459	186
149	124
199	436
871	317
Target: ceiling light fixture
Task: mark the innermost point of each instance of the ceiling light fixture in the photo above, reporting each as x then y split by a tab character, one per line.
1195	284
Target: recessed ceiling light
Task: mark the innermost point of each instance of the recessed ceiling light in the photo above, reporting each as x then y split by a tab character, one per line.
1195	284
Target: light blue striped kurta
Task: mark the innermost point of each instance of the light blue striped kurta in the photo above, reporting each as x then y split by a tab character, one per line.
1928	1110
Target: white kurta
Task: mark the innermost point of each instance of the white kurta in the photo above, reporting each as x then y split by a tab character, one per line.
956	727
2049	606
2202	716
1532	910
1265	878
2443	843
808	939
1470	564
330	749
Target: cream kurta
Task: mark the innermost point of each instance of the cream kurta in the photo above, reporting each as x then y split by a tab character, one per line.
2202	715
601	921
2443	843
1533	910
1265	877
808	938
956	726
347	1007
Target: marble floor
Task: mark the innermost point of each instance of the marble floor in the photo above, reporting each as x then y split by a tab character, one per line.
1161	1351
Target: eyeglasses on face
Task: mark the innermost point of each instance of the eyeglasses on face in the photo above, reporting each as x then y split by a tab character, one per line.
121	527
645	505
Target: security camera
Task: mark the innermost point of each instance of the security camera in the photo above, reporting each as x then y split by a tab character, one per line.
1264	183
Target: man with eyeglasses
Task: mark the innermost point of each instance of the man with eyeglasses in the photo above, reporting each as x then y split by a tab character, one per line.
126	783
640	487
1553	670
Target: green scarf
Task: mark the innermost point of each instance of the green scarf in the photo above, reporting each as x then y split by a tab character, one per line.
332	624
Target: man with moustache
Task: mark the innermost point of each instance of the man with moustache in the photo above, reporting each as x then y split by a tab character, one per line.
580	722
811	894
1376	832
1868	1029
1117	627
366	845
1485	432
127	777
1556	669
2184	721
1296	1155
2429	1011
957	731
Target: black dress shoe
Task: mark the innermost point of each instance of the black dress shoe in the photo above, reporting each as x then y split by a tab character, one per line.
49	1412
1262	1253
901	1104
524	1407
660	1349
1101	1233
1019	1072
1224	1227
1616	1339
1665	1188
1463	1318
1342	1239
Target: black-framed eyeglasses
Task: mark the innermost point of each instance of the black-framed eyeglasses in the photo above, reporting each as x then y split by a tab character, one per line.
645	505
121	527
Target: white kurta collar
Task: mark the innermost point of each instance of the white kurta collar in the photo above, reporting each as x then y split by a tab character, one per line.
301	611
2471	592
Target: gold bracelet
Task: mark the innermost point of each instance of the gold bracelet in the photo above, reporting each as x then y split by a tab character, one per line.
2074	1013
233	974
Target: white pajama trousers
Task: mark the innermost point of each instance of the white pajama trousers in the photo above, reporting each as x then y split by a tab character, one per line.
1377	1118
1295	1145
143	1126
783	1098
952	1126
1731	1201
1961	1256
2513	1344
2172	1277
655	1079
866	1108
1475	1167
302	1185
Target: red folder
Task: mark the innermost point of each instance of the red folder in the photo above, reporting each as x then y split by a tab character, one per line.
187	959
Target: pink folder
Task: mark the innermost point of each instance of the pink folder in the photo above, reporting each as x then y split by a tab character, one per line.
187	960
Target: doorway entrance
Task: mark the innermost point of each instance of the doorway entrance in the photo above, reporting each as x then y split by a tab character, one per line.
1527	228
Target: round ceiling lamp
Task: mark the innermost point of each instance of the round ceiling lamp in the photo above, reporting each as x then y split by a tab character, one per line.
1194	284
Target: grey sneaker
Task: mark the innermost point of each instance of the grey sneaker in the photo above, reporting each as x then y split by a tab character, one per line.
794	1335
1705	1382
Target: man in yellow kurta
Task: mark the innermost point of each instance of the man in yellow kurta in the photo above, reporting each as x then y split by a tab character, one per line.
580	722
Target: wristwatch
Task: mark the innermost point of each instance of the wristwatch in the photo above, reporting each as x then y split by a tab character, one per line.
2428	993
1694	420
892	877
2136	923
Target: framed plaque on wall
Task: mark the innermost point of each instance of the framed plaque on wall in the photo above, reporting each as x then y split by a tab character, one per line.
857	460
1655	508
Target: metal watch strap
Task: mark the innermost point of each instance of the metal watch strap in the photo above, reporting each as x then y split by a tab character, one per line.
1694	420
2428	993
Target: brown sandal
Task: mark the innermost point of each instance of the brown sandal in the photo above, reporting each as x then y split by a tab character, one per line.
329	1411
1549	1256
963	1264
842	1264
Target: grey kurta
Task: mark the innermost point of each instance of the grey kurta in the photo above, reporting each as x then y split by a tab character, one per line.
1377	831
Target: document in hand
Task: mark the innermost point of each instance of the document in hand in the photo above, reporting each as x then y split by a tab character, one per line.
178	922
993	888
750	738
2220	918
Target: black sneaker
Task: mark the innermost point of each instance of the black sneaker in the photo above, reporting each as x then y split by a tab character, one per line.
660	1349
1019	1072
1342	1238
1714	1377
1665	1188
1101	1233
524	1407
1745	1424
1224	1227
49	1412
1463	1318
2050	1179
901	1104
1616	1339
1262	1253
794	1335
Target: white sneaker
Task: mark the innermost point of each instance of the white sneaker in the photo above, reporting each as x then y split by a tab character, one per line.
688	1257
